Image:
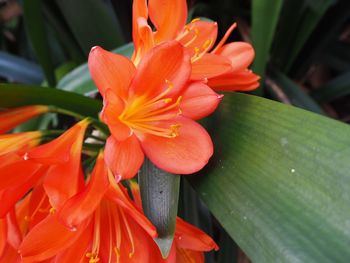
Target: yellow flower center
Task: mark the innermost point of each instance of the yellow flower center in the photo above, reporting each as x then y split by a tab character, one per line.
144	114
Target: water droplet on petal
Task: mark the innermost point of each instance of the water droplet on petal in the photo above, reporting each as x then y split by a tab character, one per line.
118	177
25	156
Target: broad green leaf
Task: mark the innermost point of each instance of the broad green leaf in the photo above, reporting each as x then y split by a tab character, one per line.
92	23
17	69
160	194
279	181
295	94
265	14
79	80
338	87
34	22
21	95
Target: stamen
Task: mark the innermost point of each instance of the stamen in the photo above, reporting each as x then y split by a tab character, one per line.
223	40
118	233
131	239
110	234
93	255
52	210
195	20
198	53
141	112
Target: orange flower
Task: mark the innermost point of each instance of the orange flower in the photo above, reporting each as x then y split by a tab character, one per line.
189	242
57	162
100	223
151	110
13	117
225	66
18	221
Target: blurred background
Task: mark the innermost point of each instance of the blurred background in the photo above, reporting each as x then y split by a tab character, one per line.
302	53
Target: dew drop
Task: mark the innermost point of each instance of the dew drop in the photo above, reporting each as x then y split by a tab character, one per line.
26	157
118	177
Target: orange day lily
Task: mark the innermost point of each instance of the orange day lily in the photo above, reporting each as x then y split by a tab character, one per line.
56	162
151	110
225	66
98	224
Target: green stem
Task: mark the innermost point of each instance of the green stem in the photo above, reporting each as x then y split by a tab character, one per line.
96	123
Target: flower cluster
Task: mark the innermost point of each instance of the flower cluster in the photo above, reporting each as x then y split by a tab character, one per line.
62	202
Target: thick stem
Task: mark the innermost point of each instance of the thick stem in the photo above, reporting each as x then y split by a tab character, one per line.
160	194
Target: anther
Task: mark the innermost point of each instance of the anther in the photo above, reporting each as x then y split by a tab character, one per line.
168	100
52	210
195	20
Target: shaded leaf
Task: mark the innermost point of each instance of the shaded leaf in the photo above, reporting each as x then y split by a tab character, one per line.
21	95
17	69
34	22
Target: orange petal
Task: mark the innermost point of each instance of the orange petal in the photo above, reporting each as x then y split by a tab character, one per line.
169	17
240	81
135	190
199	35
13	117
241	55
185	154
124	158
16	172
166	66
110	71
192	238
80	206
113	107
19	141
118	194
210	65
63	180
3	235
59	150
144	41
47	239
14	235
10	255
76	253
12	195
139	10
198	101
185	256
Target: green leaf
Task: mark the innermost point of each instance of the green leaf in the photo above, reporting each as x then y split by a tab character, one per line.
21	95
338	87
265	14
17	69
279	181
92	23
79	80
307	24
55	19
34	22
297	96
160	195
